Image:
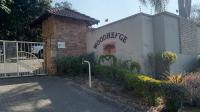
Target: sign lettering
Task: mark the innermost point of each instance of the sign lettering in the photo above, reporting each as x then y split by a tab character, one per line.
110	35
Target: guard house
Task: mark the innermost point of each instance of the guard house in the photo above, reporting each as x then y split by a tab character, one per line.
64	34
68	33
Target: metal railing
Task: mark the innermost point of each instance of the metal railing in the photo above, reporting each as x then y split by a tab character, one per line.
19	58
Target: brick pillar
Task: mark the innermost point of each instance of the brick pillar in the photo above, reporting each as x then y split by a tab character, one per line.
69	31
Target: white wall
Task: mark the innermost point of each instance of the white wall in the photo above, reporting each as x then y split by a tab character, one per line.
146	34
183	64
148	42
172	43
171	34
159	33
138	44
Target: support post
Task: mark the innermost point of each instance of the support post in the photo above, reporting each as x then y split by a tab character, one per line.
17	58
90	77
4	57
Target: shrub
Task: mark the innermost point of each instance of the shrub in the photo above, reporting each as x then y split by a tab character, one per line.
174	95
151	89
175	78
151	60
109	73
198	57
135	67
107	58
143	86
132	66
124	64
72	65
192	83
103	72
89	57
163	61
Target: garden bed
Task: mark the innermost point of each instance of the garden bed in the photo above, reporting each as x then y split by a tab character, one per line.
122	81
114	92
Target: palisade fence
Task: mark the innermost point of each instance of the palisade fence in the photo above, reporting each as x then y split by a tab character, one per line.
19	58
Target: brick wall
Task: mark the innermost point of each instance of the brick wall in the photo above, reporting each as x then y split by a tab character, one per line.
188	37
59	29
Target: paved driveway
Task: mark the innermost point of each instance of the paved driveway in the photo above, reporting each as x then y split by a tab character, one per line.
48	94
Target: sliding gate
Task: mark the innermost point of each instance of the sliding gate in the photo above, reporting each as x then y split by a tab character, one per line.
19	58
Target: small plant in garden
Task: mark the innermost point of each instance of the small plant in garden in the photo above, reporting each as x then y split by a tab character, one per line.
107	59
175	95
125	64
163	61
151	59
147	87
192	83
135	67
175	78
198	58
132	66
72	65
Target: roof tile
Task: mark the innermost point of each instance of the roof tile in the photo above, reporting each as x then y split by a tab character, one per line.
65	12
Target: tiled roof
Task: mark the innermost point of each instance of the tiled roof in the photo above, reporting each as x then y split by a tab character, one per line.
65	12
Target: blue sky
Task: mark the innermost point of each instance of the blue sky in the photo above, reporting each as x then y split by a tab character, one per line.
114	9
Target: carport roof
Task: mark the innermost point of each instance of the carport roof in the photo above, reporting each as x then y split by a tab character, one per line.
65	12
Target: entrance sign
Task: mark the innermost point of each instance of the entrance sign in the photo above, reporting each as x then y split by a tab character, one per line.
61	44
110	35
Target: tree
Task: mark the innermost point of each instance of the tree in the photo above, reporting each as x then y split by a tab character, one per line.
3	5
16	24
184	8
64	4
159	5
195	13
183	5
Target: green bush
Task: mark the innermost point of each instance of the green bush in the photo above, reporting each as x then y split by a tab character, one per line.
72	65
151	89
174	96
132	66
192	83
163	61
110	58
103	72
135	67
109	73
89	57
144	86
123	64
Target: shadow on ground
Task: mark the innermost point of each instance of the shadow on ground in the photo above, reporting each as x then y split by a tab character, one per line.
48	94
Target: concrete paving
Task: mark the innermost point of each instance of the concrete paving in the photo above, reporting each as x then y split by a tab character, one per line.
48	94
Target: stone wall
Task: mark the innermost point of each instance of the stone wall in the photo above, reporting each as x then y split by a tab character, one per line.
59	29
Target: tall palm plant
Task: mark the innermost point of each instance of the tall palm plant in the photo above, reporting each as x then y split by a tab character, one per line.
183	5
159	5
184	8
3	5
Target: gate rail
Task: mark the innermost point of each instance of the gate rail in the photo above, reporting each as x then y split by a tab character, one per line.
20	58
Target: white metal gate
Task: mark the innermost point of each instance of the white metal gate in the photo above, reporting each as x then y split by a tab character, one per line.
18	58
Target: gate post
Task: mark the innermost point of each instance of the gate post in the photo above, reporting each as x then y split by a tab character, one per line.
17	58
4	56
